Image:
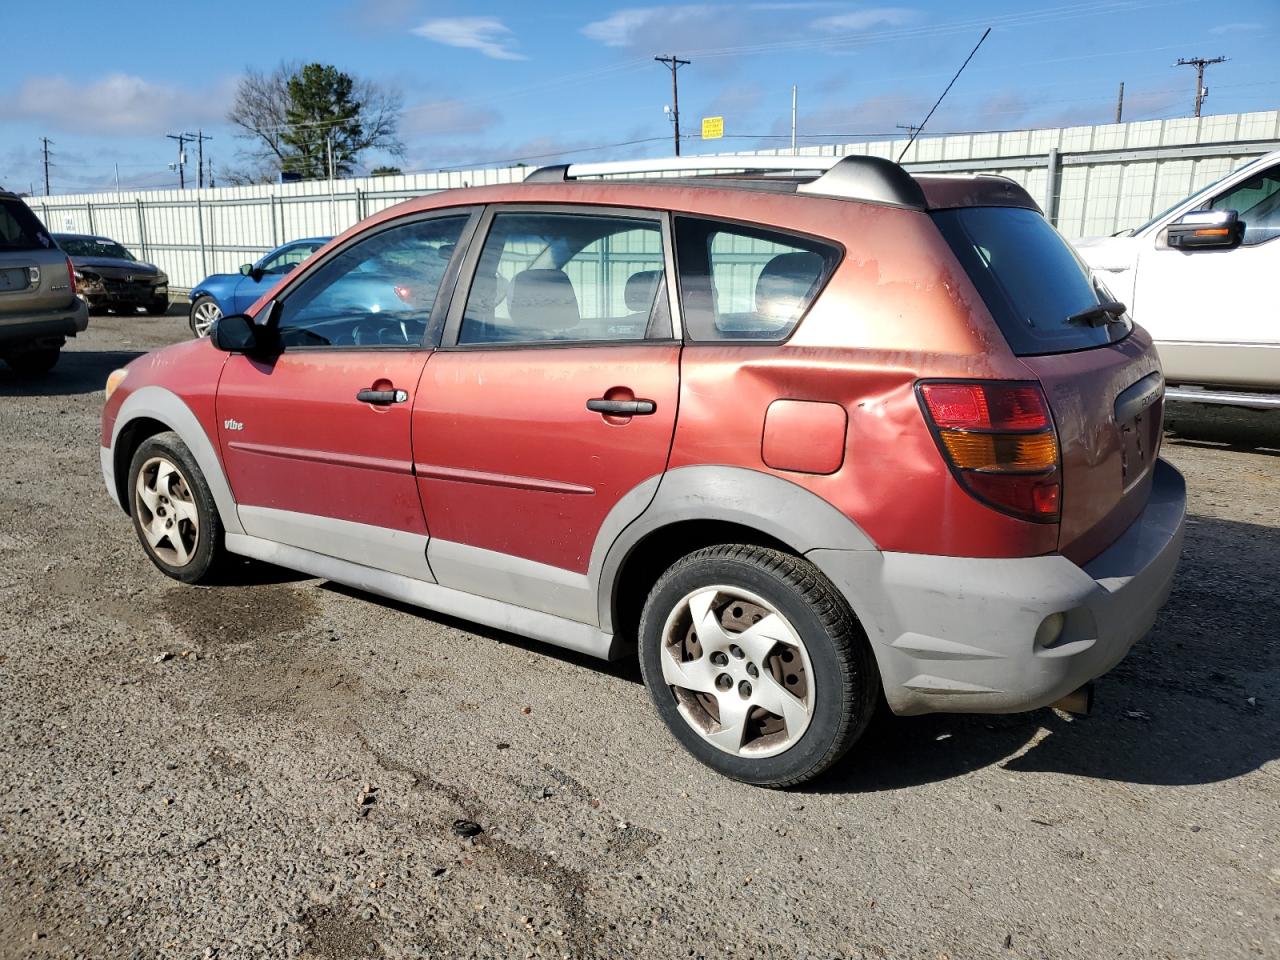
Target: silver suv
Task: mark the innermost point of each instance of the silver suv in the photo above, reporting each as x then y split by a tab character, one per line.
39	308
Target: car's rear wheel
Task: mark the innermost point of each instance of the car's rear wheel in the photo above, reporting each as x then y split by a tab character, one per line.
158	307
756	664
32	363
205	312
174	515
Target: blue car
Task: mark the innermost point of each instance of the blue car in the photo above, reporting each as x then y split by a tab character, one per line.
228	293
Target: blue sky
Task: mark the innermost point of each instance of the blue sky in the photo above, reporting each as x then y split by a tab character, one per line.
493	81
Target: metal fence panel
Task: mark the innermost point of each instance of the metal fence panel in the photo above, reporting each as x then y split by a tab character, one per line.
1090	180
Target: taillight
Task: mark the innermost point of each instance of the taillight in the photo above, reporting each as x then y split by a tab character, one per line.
405	294
998	438
71	276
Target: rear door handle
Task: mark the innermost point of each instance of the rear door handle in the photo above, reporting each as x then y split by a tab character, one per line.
382	397
622	408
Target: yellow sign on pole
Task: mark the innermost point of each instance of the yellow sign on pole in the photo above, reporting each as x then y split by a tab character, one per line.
712	128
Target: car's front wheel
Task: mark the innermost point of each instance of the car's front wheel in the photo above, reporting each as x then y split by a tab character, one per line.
756	664
174	515
158	308
205	312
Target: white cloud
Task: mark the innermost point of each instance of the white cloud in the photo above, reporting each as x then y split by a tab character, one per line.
860	20
119	103
439	118
1236	28
488	35
621	29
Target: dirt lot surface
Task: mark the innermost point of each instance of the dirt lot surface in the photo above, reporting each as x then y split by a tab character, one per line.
274	769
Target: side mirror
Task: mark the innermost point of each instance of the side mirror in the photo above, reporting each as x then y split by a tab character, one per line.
1205	229
237	333
246	269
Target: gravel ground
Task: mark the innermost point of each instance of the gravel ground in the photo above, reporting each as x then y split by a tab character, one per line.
274	769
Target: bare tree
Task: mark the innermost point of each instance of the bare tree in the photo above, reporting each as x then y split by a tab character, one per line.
283	134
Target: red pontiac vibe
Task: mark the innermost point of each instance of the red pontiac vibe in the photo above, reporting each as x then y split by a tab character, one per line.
803	440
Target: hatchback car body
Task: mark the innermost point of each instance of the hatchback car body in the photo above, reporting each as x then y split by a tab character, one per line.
224	293
110	277
38	305
805	442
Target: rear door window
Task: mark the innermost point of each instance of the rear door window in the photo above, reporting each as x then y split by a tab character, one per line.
743	283
545	277
19	228
1030	279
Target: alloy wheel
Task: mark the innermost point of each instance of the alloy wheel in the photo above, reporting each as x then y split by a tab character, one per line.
739	671
204	316
167	512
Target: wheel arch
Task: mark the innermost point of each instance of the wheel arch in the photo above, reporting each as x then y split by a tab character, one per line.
152	410
695	507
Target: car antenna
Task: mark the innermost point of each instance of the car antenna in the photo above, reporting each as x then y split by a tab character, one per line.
916	132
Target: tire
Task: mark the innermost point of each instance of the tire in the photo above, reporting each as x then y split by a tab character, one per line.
98	308
204	313
33	363
158	308
813	651
173	511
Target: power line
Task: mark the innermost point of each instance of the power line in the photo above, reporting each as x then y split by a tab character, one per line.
1199	63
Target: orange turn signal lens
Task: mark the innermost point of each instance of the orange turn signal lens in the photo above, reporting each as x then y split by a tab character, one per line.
1004	453
1213	232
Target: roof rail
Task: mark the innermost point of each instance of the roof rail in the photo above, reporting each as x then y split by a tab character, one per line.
857	177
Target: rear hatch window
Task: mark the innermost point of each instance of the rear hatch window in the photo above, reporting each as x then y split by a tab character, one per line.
19	228
1036	288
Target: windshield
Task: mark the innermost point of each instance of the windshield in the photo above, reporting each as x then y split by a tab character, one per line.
93	247
1039	292
19	228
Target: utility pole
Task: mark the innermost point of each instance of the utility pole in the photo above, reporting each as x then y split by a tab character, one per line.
182	138
793	119
1120	104
911	128
675	63
1199	63
198	138
45	141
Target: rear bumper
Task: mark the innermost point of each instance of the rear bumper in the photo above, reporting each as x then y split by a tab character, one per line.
33	328
965	635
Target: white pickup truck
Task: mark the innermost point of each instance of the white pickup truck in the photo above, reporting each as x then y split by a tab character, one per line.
1203	278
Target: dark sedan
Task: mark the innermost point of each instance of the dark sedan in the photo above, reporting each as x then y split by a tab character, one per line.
109	277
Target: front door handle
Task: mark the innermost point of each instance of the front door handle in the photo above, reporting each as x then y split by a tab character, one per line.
622	408
382	397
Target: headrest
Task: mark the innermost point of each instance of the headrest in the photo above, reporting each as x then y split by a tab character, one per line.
785	282
641	289
543	300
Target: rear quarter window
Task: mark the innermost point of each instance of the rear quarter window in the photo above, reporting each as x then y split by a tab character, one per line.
19	228
1029	278
744	283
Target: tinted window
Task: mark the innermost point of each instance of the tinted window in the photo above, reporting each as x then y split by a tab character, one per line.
551	276
740	283
93	247
19	228
1029	278
1257	200
379	292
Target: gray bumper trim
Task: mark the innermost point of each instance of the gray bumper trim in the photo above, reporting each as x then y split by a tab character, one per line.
958	634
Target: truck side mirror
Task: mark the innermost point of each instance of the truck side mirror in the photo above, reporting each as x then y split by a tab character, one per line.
1204	229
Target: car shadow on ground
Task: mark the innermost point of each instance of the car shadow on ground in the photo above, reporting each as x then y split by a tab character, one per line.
77	372
1223	428
1195	702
